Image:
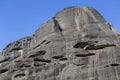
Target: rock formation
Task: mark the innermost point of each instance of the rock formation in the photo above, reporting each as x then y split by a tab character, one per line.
76	44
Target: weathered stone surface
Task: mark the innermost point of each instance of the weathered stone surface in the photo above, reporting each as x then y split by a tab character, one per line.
76	44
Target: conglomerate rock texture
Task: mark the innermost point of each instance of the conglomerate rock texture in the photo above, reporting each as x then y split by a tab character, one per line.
76	44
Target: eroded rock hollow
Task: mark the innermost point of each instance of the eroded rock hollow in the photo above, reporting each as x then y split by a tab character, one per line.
76	44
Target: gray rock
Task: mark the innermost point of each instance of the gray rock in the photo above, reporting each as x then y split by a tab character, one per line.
76	44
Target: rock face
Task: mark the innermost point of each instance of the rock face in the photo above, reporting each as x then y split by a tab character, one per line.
76	44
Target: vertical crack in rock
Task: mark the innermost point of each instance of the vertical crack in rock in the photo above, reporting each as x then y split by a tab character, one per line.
57	27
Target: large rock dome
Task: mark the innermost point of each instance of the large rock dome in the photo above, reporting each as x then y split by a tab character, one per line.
76	44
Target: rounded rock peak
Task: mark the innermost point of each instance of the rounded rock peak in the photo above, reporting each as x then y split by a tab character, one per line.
72	17
82	19
88	12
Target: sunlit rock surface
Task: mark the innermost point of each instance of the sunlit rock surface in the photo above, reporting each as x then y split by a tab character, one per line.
76	44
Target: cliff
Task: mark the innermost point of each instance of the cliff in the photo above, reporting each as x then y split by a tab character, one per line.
76	44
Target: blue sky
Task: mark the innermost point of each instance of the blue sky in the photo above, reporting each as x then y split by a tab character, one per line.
20	18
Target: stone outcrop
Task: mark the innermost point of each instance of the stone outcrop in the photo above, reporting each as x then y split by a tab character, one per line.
76	44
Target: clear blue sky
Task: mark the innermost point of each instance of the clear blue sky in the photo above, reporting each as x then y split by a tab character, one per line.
20	18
